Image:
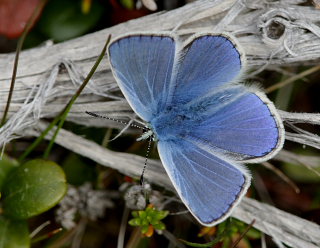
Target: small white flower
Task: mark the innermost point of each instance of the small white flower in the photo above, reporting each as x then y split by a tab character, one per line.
135	196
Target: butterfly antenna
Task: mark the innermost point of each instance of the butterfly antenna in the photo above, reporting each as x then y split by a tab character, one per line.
113	119
145	162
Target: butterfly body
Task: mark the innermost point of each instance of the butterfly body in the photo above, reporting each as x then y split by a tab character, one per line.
206	123
170	124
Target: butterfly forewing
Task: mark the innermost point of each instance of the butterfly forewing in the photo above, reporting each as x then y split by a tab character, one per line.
202	65
142	65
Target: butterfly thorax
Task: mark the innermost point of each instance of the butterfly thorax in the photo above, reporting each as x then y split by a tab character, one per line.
171	123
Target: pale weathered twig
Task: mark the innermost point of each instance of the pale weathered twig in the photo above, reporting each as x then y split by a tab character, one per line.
310	118
287	228
272	33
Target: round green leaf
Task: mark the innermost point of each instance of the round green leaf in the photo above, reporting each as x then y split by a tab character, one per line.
6	165
33	188
77	171
13	233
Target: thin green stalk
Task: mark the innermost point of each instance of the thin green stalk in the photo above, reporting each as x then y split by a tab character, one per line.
16	59
63	115
39	139
64	112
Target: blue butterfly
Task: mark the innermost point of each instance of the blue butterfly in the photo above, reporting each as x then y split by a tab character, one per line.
206	124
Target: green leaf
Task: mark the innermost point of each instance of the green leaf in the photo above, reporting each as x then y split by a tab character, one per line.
13	233
6	165
64	19
154	222
135	214
33	188
77	171
161	215
144	228
159	226
145	222
142	214
135	222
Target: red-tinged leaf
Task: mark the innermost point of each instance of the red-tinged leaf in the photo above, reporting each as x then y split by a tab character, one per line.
14	15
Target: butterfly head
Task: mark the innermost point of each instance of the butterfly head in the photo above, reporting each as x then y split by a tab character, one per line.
149	133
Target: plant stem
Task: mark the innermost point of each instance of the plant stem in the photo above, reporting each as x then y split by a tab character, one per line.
66	110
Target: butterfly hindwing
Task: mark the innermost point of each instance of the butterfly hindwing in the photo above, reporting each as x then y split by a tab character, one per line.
209	186
142	65
246	128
